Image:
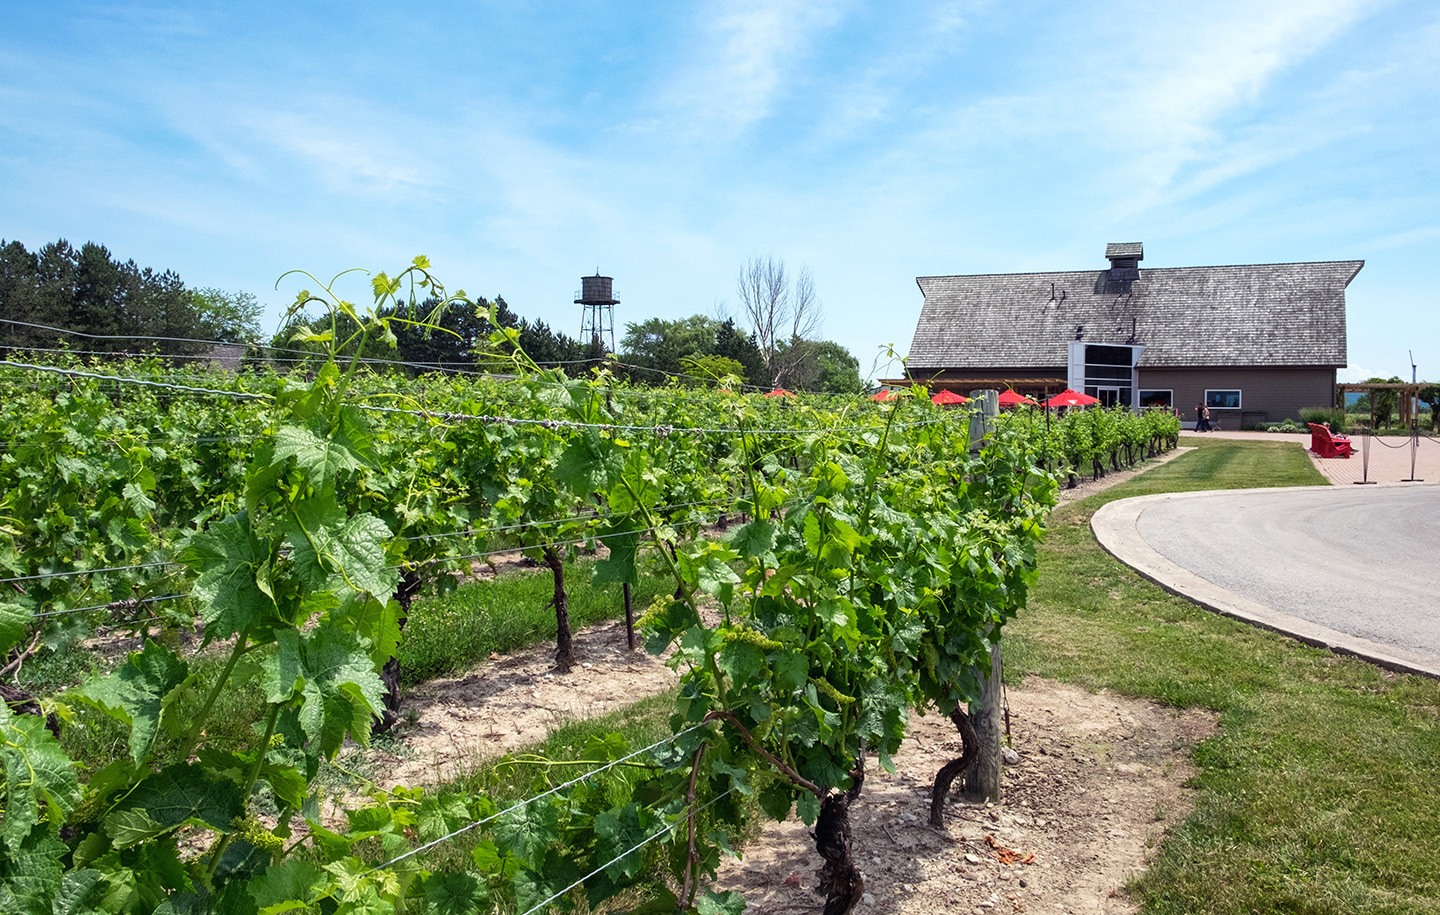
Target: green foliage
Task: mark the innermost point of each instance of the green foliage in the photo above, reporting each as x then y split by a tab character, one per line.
1335	417
876	557
1430	396
1382	402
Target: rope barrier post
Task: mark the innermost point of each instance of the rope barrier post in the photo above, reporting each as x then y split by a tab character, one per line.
1365	461
1414	446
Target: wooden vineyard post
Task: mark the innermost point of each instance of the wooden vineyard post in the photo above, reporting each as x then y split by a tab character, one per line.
982	779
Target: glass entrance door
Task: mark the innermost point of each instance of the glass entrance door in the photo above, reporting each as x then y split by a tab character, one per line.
1109	397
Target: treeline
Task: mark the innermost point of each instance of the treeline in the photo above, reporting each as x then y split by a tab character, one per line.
84	299
86	289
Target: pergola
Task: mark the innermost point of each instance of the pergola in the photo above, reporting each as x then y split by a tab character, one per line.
1409	397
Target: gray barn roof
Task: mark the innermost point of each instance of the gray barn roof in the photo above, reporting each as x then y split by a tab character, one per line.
1255	315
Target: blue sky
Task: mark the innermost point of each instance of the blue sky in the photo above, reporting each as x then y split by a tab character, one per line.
521	145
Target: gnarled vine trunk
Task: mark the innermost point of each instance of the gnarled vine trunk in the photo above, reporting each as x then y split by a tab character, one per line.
841	882
405	591
969	747
564	642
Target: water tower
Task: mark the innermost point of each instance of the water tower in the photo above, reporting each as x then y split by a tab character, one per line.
597	316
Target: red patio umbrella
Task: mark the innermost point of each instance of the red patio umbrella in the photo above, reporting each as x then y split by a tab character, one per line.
778	392
1012	399
942	398
886	394
1069	398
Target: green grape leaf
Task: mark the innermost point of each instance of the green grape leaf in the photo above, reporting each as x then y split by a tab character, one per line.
325	542
343	692
14	620
726	903
710	571
31	874
755	540
791	669
177	795
136	693
438	815
320	460
808	806
282	670
741	661
775	800
617	832
230	562
40	783
289	886
529	831
586	465
620	567
81	891
454	894
491	860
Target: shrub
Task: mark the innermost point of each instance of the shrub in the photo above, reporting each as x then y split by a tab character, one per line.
1335	417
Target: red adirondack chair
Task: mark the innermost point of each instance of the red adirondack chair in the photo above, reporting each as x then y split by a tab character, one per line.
1326	443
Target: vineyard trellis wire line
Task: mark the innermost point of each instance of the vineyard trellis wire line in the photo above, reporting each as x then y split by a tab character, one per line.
528	801
214	392
443	366
48	576
661	430
128	603
669	827
131	602
464	532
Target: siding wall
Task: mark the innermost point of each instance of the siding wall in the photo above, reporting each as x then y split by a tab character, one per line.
1266	394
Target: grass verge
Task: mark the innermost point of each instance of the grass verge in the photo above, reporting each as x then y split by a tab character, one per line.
454	631
1318	793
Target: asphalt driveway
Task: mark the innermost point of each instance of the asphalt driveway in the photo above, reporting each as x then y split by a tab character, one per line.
1350	568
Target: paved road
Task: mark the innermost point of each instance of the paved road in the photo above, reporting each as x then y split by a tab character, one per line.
1352	568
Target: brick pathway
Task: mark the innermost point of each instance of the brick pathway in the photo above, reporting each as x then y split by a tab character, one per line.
1389	456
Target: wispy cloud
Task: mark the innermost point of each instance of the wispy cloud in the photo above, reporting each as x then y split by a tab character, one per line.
736	64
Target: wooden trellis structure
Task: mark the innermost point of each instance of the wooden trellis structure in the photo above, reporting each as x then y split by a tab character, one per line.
1408	401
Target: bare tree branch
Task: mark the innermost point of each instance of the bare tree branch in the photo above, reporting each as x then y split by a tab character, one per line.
779	314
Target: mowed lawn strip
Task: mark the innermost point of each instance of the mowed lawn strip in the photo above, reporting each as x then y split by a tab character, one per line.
1321	791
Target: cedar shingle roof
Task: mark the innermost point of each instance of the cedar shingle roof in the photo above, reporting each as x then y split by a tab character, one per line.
1255	315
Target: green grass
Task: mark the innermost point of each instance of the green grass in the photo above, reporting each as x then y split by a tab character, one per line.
452	632
1318	794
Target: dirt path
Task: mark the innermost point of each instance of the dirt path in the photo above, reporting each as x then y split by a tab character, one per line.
1099	780
506	704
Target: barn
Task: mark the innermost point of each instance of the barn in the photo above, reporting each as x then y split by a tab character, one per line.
1253	342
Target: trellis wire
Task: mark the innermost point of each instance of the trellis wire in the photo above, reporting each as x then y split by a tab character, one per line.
670	827
528	801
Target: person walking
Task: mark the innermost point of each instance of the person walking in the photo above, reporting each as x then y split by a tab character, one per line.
1202	418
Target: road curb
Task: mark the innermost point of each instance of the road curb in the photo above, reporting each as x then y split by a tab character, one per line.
1116	528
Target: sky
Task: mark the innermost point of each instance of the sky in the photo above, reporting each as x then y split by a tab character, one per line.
522	145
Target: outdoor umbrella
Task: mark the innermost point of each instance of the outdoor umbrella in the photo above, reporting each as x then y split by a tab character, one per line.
885	395
942	398
1012	399
779	392
1069	398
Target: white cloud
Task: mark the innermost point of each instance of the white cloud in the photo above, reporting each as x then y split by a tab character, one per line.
737	63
